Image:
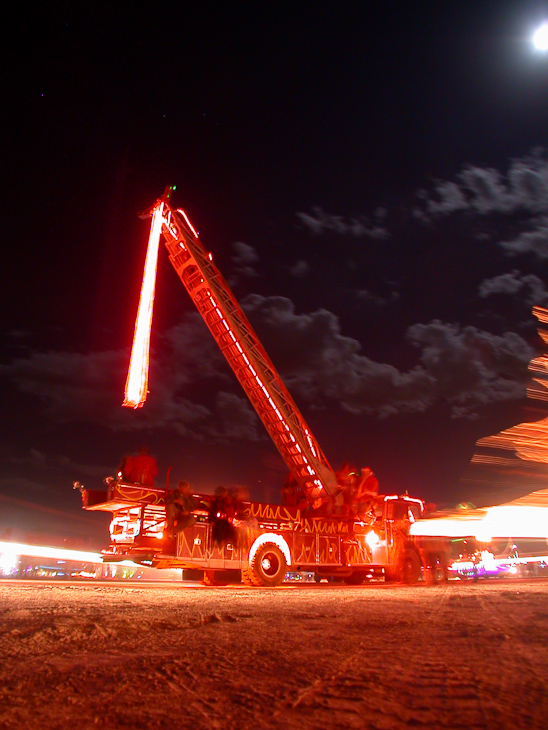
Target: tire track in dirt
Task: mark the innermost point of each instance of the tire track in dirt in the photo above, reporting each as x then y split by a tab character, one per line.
422	691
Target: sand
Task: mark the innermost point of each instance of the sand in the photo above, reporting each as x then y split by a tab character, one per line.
114	655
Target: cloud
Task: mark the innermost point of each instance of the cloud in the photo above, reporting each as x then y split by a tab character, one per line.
88	388
535	242
71	386
469	367
517	199
528	180
190	352
319	222
192	387
463	368
42	462
300	269
449	198
486	190
529	286
188	380
238	419
368	297
244	259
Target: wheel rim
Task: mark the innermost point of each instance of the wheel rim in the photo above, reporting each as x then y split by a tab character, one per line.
269	564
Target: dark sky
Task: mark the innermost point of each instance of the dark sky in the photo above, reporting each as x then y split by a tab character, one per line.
371	178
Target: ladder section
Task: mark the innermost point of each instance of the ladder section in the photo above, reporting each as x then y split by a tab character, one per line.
247	358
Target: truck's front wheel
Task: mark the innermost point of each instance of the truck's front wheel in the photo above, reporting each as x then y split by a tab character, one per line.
268	565
410	567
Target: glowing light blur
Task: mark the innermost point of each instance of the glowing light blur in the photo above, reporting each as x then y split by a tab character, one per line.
16	549
517	457
8	562
137	379
528	440
540	38
490	564
516	519
446	527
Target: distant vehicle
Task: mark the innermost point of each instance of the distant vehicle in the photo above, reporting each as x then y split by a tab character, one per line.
505	539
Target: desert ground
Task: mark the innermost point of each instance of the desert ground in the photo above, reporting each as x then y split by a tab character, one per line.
114	655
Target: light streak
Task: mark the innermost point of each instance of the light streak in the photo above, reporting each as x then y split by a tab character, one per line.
528	440
490	564
182	212
312	449
516	521
446	527
506	520
39	551
137	379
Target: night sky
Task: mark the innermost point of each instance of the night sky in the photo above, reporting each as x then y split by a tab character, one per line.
372	180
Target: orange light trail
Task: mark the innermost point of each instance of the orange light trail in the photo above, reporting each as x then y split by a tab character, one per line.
526	517
526	443
137	378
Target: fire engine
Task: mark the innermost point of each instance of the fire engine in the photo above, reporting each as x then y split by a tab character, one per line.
267	540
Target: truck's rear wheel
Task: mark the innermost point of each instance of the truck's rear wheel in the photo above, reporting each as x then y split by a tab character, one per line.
410	567
268	566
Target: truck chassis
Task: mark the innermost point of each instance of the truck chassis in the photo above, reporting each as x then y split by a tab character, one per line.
267	543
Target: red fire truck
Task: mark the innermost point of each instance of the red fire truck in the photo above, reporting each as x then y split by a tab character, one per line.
266	540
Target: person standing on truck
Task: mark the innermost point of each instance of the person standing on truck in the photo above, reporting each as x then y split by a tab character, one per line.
219	513
292	494
144	468
180	504
125	468
366	489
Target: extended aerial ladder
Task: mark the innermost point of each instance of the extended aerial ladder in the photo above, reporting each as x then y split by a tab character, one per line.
244	353
266	539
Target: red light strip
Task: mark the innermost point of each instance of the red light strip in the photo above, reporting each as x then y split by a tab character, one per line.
189	224
261	385
137	378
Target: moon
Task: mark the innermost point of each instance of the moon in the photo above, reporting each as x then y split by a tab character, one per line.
540	38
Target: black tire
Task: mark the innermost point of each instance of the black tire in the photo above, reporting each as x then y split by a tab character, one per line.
248	578
439	568
356	578
269	565
410	567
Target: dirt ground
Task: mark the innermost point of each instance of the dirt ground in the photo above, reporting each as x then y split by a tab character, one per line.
112	655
